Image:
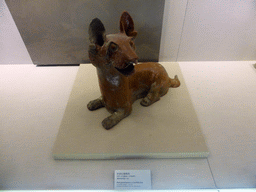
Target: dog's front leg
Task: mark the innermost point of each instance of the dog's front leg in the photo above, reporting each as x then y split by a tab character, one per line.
115	118
96	104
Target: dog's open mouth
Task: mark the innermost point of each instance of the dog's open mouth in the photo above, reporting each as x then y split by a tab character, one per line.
128	70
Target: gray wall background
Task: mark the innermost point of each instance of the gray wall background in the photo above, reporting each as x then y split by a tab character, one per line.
193	30
56	31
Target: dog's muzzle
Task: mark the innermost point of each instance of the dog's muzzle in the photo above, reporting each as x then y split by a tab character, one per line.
129	68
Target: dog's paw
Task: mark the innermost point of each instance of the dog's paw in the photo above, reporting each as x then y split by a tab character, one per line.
95	104
91	106
145	102
108	123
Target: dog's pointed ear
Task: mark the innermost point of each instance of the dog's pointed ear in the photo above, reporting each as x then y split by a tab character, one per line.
97	32
127	25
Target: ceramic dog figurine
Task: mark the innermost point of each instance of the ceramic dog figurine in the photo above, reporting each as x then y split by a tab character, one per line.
121	79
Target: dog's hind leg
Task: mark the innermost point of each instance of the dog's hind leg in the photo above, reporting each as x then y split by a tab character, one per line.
152	96
96	104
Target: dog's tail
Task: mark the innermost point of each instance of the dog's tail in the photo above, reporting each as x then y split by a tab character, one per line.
174	82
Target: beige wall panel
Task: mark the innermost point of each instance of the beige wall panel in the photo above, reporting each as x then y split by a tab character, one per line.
219	30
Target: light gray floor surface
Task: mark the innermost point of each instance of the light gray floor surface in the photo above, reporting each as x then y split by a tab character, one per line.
32	104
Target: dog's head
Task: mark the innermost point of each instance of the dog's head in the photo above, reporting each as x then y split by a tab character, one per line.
114	50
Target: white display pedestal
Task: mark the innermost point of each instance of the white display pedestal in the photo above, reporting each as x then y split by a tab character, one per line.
167	129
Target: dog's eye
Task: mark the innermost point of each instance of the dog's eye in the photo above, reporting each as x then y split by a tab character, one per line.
113	47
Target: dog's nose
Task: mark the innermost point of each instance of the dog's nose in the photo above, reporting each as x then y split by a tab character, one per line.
131	61
132	57
135	60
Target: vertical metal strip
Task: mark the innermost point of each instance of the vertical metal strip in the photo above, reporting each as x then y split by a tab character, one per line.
182	31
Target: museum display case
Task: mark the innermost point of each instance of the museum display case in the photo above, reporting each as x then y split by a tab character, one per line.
197	136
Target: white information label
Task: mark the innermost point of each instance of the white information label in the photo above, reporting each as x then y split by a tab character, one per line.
132	179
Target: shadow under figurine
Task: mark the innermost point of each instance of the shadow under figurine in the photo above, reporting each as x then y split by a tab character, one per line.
121	81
